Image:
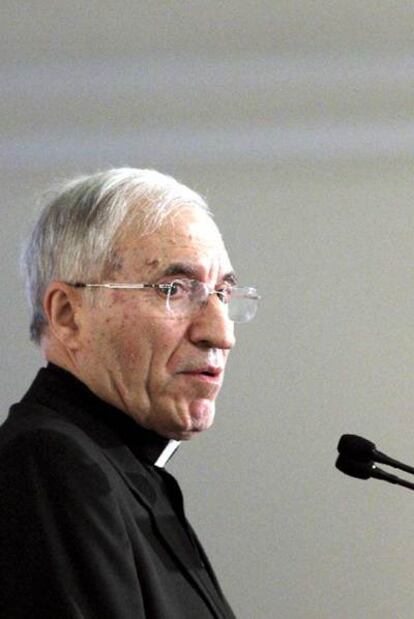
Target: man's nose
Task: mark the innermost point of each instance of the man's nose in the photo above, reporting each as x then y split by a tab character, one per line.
211	326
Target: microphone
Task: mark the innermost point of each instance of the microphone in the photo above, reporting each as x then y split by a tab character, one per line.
364	469
358	448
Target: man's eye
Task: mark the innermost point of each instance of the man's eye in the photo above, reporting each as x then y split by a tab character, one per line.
164	289
177	289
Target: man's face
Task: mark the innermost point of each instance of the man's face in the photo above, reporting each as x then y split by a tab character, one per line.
164	371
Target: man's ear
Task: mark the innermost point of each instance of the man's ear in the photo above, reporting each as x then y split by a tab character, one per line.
62	305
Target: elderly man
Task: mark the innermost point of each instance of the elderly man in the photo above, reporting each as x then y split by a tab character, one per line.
133	303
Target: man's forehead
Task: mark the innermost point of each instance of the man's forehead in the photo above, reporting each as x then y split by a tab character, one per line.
183	245
191	259
191	225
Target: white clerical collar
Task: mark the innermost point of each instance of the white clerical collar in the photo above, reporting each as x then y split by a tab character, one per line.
167	452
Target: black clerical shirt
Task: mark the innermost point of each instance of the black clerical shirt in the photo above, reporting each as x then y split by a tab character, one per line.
90	526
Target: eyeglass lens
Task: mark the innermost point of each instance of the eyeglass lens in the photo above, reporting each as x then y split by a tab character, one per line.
187	297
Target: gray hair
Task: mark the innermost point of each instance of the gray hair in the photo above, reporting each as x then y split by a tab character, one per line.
75	236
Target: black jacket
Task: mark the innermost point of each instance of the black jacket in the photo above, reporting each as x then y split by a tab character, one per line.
89	527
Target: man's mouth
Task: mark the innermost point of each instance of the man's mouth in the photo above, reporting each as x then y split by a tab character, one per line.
209	373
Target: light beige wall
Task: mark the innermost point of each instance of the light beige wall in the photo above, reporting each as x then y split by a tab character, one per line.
295	120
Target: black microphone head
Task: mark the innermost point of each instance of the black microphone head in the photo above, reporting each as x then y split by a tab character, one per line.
356	447
355	468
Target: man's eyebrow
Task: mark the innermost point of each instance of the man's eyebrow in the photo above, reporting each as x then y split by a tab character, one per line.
230	278
188	270
180	268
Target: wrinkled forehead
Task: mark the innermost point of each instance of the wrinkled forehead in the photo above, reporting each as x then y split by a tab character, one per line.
188	238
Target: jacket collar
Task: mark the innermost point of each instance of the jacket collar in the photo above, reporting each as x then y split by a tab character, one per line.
54	384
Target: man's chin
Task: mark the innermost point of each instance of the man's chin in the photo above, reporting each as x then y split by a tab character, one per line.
198	417
201	413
